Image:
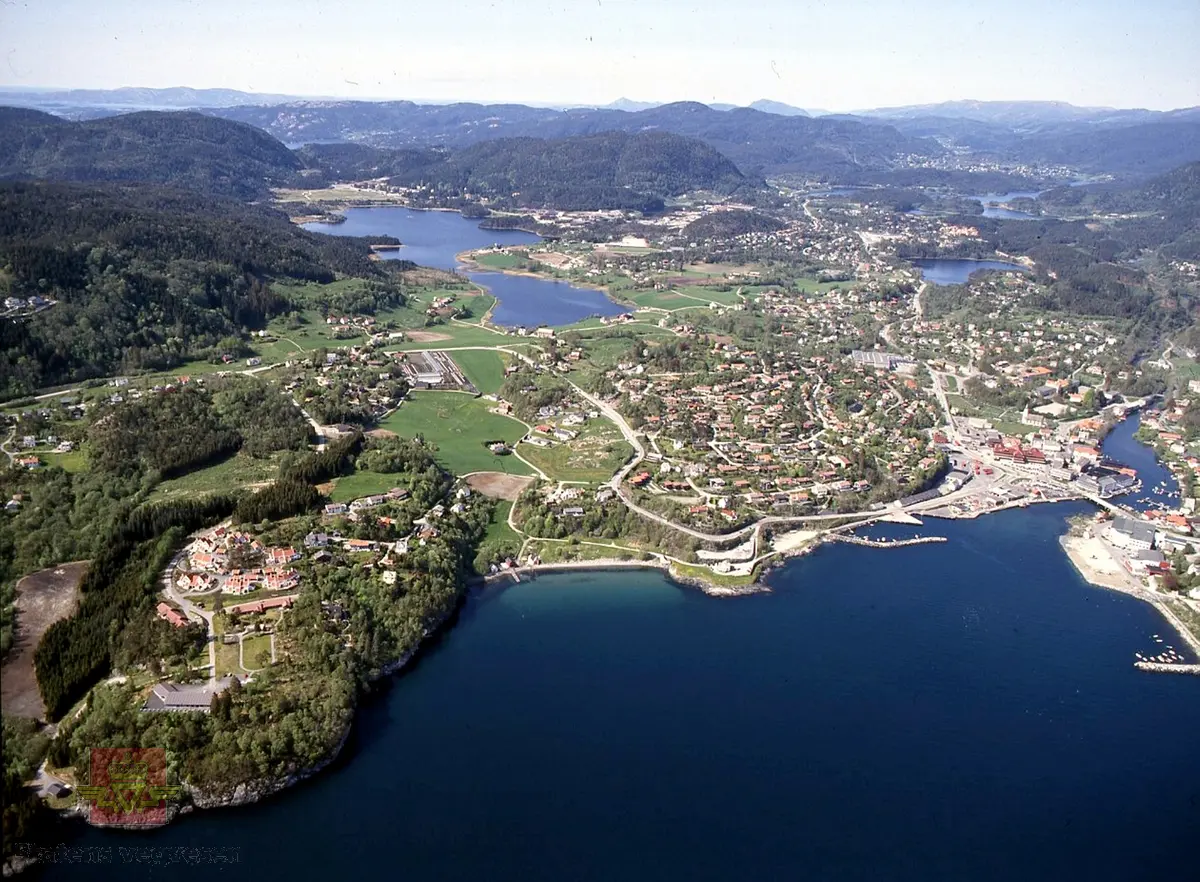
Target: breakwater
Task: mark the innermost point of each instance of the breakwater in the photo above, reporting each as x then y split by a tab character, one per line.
884	543
1167	668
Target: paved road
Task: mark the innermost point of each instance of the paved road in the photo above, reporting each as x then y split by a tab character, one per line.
190	609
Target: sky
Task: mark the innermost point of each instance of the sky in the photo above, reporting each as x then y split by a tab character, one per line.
837	55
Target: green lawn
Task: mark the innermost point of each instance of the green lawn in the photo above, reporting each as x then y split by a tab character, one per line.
457	425
499	260
499	530
251	647
812	286
237	471
75	461
483	368
710	295
660	299
363	483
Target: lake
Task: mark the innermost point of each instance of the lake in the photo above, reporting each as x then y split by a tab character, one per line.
962	711
1006	213
944	271
434	238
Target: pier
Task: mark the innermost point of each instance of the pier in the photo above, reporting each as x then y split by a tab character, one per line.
1167	668
885	543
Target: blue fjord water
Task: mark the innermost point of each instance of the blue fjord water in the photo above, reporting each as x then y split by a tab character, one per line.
1158	484
434	238
961	711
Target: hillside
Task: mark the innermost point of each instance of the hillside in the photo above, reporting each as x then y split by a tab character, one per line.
1148	148
757	142
603	171
192	150
146	277
724	225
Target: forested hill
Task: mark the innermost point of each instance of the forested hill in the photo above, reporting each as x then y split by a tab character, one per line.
759	143
146	277
608	170
192	150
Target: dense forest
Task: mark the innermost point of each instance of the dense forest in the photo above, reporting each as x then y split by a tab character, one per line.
147	278
727	224
187	150
604	171
759	143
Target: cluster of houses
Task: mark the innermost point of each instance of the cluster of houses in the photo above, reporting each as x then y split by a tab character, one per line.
236	563
353	510
776	434
16	306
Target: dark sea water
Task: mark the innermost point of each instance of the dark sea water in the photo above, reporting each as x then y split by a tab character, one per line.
433	238
945	271
1157	481
962	711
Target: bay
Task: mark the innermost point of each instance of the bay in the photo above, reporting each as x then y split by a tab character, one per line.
967	710
434	238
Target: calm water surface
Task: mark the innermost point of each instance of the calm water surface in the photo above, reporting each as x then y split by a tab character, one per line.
946	271
433	238
1006	213
964	711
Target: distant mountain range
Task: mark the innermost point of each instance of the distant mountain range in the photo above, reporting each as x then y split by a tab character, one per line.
768	138
225	157
178	98
757	142
1020	115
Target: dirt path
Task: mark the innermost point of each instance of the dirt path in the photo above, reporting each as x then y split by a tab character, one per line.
498	485
42	599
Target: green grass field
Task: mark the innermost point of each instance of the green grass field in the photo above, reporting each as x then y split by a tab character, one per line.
661	299
252	646
710	295
498	529
594	456
483	368
75	461
457	425
237	471
363	483
499	261
1186	369
456	334
812	286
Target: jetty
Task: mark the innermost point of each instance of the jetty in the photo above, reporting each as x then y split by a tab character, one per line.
885	543
1167	668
